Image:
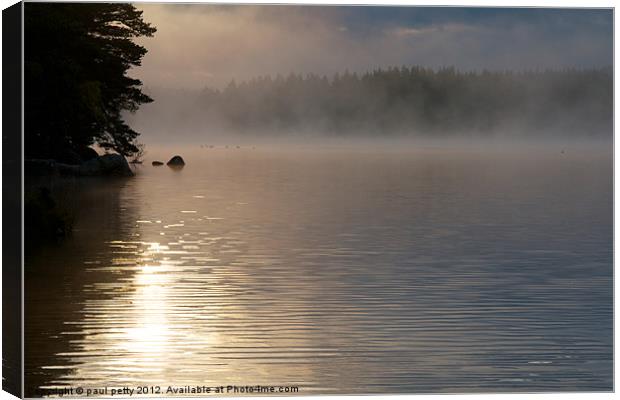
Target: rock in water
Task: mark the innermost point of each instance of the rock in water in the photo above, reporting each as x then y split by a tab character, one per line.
157	163
176	161
108	164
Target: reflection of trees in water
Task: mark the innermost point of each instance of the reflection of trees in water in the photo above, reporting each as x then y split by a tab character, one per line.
50	207
58	275
11	278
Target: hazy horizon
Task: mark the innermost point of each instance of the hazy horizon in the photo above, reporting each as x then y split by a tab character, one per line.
201	46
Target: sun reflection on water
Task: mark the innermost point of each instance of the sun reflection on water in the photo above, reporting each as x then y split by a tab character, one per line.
150	333
281	279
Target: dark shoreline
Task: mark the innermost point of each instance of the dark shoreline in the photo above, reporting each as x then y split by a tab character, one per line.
105	165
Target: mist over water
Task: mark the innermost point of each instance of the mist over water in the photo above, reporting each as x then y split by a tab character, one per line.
375	200
393	104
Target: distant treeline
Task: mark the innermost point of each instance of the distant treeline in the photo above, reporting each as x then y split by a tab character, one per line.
417	101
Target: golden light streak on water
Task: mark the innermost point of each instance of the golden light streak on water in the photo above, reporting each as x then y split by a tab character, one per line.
335	271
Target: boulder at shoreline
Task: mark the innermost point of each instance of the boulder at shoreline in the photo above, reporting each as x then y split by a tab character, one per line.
176	161
107	164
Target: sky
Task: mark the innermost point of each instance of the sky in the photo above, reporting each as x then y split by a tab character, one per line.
199	45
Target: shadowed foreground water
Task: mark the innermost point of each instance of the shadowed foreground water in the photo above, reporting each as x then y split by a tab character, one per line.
338	271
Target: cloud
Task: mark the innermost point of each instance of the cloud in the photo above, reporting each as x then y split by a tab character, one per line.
199	45
403	31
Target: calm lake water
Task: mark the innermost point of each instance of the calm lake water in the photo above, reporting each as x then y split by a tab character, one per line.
334	270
